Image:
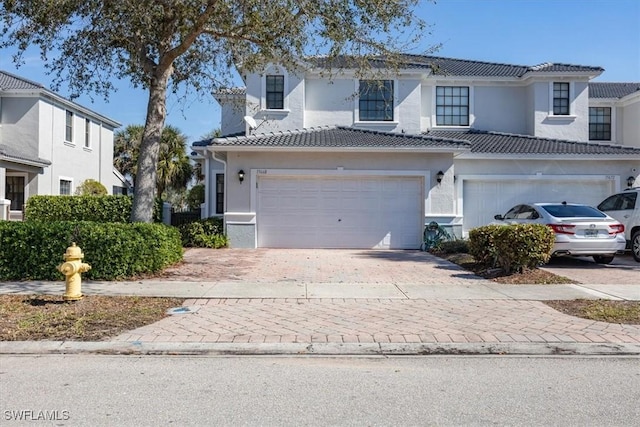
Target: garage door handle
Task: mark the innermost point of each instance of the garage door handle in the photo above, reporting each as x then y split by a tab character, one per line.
339	219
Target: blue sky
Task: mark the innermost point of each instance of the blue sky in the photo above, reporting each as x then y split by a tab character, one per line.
602	33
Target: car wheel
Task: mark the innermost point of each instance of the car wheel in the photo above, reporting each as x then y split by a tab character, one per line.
603	259
635	245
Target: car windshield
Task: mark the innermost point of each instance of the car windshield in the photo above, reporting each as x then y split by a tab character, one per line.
572	211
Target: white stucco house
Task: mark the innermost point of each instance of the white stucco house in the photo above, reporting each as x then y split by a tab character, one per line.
49	145
309	161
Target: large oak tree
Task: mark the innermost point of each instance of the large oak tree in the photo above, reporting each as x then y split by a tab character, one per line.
192	45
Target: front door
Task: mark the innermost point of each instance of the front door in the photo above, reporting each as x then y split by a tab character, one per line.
14	191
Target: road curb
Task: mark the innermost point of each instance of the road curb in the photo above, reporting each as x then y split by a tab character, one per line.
323	349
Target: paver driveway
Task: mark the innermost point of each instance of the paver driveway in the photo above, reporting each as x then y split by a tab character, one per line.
317	266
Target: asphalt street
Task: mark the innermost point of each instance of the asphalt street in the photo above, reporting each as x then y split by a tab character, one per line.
84	390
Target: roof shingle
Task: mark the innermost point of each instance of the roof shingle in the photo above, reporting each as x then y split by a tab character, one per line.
10	81
612	90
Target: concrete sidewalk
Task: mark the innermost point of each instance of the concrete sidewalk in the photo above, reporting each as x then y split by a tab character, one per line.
423	306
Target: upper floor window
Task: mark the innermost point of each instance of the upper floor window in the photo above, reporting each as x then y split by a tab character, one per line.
87	133
600	123
68	132
376	100
275	92
561	99
452	106
65	187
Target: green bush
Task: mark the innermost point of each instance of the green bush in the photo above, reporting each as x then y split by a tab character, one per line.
195	198
79	208
32	250
84	208
512	247
91	187
204	233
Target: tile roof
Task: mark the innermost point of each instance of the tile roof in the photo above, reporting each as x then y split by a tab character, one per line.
612	90
456	67
18	156
505	143
339	138
10	81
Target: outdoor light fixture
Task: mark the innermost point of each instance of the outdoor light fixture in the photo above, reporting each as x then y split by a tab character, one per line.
630	181
241	175
439	176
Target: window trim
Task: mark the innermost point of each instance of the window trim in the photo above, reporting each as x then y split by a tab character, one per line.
572	99
434	107
68	127
275	71
71	188
375	123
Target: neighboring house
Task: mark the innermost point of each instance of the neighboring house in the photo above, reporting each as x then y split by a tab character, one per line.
49	145
366	162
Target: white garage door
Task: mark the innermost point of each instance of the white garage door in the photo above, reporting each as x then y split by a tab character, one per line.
340	212
484	199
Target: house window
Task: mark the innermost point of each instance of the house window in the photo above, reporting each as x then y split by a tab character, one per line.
275	92
87	133
219	193
65	187
68	135
376	100
452	106
600	123
561	99
14	190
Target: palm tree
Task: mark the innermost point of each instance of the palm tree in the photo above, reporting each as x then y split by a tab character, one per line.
174	166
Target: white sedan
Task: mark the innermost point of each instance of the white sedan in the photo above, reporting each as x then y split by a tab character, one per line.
581	230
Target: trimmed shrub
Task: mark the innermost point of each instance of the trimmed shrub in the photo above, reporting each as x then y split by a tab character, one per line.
32	250
481	245
458	246
204	233
512	247
84	208
91	187
79	208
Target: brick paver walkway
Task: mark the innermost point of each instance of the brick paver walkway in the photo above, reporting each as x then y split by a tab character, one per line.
378	320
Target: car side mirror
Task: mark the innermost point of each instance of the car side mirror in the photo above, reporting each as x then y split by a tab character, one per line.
498	217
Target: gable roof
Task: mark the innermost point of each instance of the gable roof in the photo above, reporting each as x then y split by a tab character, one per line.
612	90
15	155
442	66
338	138
484	142
12	82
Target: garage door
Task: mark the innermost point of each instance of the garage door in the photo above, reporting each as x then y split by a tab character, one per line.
339	212
484	199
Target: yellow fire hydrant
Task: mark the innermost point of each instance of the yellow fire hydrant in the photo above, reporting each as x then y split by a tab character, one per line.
72	268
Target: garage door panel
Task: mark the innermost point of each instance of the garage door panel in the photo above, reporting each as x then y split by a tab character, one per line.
344	212
484	199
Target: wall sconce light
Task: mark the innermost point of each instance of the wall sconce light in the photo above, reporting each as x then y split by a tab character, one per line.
630	181
241	175
439	176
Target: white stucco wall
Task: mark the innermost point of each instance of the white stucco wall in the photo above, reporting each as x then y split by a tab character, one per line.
629	117
501	109
575	126
439	200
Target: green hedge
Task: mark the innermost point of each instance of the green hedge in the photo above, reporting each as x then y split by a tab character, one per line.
84	208
32	250
512	247
204	233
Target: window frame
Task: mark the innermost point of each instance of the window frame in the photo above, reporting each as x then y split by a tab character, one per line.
444	100
277	90
607	127
68	126
558	94
219	193
387	99
87	133
62	179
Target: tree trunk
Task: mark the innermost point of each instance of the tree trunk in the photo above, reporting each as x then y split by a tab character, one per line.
146	177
